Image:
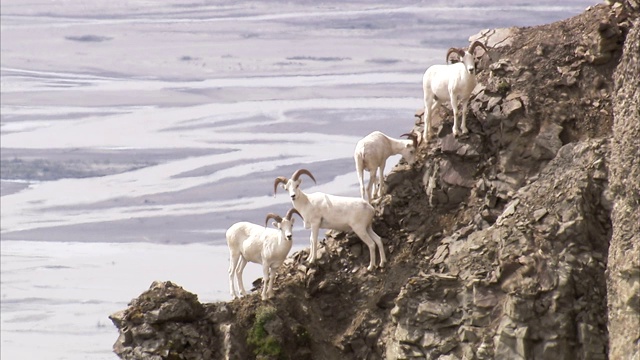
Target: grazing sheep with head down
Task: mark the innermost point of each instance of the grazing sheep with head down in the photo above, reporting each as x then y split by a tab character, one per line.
320	210
371	154
453	83
257	244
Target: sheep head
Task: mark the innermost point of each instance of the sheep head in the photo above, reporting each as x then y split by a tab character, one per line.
467	57
279	180
292	185
276	217
284	225
413	137
474	46
409	152
457	51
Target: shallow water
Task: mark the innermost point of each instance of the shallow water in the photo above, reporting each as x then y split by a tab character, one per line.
56	296
134	133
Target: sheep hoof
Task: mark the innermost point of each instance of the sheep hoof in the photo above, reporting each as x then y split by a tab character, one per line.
370	268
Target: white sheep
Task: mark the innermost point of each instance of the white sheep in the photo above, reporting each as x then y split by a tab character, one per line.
371	154
451	82
261	245
320	210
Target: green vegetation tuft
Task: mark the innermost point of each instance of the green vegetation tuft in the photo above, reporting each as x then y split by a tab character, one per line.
503	88
263	343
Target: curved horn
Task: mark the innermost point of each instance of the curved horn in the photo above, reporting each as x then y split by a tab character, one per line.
458	51
299	172
276	217
413	137
472	47
291	212
279	179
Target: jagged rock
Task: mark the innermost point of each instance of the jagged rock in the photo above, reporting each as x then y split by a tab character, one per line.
518	309
511	107
539	214
503	67
440	255
548	142
457	173
148	326
432	310
408	333
484	297
471	148
623	269
467	334
494	38
511	342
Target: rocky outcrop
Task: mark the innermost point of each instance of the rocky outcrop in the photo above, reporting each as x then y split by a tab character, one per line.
498	242
623	273
167	322
505	289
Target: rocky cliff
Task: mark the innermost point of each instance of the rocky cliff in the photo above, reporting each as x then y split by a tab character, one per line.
518	241
623	272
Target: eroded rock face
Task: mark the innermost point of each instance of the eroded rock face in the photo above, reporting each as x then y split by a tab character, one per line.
498	241
167	322
536	92
506	289
624	252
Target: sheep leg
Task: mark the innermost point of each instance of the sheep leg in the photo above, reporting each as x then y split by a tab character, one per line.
465	103
363	234
272	278
232	273
381	188
313	239
378	241
373	184
360	172
239	269
454	106
427	118
430	105
266	280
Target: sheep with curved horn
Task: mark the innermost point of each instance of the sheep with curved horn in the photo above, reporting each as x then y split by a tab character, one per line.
453	83
371	154
324	211
261	245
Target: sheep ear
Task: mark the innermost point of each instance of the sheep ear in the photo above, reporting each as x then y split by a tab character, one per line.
276	224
